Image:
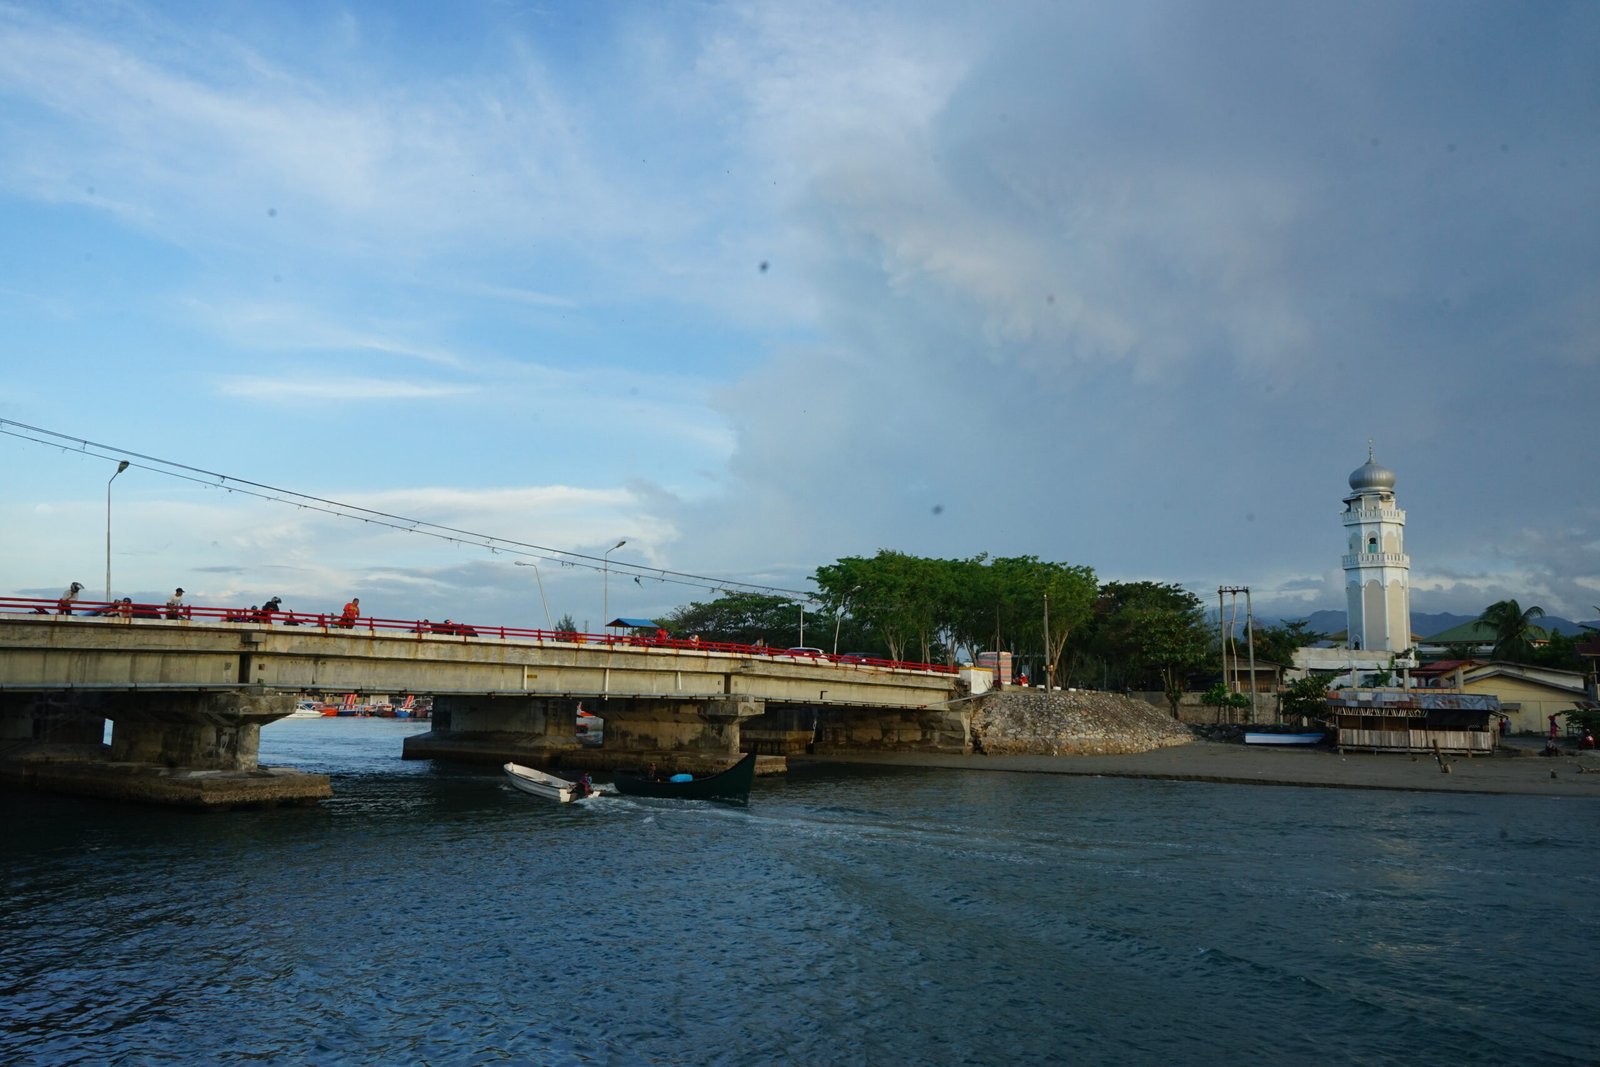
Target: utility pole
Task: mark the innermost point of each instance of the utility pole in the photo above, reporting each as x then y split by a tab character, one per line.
1227	637
1049	660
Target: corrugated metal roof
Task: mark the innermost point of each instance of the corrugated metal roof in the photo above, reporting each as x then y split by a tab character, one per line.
1402	699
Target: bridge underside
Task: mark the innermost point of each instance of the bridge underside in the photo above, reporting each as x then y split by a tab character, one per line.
691	735
189	748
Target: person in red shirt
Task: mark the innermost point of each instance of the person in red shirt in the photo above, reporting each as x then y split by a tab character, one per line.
352	611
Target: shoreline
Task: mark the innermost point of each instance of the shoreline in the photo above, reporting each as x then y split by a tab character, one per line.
1233	764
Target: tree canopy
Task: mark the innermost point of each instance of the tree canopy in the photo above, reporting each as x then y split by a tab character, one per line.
939	608
1154	634
1513	628
741	618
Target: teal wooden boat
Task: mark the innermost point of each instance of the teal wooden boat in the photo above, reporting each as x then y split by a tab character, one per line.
732	784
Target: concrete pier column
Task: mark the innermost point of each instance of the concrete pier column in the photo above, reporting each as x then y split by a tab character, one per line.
192	749
496	729
704	726
199	731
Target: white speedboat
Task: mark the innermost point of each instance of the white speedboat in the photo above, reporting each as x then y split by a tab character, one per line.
544	785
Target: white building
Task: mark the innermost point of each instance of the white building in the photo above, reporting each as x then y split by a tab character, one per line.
1377	586
1377	571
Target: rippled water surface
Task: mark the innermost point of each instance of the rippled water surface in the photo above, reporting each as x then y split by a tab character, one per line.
430	914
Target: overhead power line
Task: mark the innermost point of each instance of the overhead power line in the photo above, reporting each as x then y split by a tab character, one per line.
404	524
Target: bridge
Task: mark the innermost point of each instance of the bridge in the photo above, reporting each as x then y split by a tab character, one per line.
188	691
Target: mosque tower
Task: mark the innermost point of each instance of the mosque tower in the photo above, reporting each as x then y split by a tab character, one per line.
1377	571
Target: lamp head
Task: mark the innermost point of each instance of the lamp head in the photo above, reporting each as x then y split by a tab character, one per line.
619	544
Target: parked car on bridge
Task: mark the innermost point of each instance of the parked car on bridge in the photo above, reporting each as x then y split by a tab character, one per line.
803	650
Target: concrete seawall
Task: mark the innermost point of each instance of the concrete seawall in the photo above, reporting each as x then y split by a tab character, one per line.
1568	775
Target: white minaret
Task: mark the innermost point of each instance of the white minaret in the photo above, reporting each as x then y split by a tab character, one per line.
1377	571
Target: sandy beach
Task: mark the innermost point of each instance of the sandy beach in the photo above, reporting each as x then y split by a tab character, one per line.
1206	761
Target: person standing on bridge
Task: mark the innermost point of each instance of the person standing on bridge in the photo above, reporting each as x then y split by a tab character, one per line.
175	604
64	605
352	611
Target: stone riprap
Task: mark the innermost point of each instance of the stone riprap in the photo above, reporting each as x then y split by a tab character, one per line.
1031	722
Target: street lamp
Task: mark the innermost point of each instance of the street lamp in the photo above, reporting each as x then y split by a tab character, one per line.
605	584
524	563
838	614
120	468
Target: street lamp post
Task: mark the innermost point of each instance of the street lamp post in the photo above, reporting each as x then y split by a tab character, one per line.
605	583
120	468
536	576
839	614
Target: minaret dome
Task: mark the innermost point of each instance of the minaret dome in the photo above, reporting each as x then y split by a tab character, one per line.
1371	475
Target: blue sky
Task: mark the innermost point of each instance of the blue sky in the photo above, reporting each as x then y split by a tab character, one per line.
755	286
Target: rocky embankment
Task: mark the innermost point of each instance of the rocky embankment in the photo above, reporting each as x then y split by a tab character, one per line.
1030	722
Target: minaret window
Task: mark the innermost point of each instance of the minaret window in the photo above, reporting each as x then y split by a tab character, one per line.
1372	544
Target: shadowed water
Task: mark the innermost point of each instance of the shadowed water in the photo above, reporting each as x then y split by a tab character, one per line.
430	914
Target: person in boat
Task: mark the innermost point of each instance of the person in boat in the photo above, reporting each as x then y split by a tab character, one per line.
583	786
652	775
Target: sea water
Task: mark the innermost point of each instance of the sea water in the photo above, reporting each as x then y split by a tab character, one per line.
431	914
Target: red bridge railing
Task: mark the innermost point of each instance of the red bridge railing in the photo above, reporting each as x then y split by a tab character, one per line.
333	622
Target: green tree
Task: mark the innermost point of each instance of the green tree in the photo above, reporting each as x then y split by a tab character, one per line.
566	624
1306	698
1514	631
1559	651
905	600
743	618
1152	635
1219	697
1277	643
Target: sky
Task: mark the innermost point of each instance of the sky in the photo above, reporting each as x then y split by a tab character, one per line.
756	286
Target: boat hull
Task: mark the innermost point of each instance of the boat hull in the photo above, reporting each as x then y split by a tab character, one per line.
732	785
540	784
1283	739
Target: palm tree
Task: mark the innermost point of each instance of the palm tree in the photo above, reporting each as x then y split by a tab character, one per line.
1513	629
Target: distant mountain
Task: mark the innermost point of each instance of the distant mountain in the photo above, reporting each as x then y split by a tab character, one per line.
1424	624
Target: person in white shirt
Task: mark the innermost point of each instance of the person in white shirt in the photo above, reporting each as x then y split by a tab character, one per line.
64	605
175	604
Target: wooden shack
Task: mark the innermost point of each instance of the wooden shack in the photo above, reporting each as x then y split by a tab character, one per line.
1412	720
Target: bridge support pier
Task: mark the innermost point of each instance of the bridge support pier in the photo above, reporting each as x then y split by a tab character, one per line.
497	729
894	730
195	749
710	727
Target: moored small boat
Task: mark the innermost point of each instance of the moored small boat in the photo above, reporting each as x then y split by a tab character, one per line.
1266	738
732	784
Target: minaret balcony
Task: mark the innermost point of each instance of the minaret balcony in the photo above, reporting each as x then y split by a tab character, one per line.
1377	559
1357	515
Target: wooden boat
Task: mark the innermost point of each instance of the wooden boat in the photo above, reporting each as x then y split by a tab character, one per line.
1253	738
541	784
732	784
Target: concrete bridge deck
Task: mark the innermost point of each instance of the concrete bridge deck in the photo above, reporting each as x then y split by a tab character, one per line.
189	695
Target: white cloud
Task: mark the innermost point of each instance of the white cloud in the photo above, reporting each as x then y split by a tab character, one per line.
283	390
